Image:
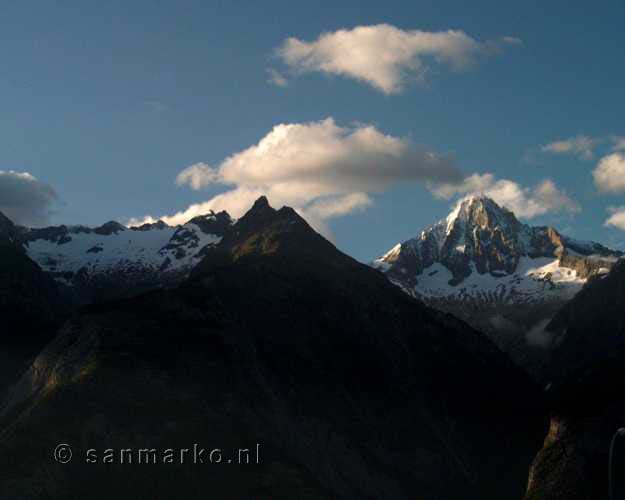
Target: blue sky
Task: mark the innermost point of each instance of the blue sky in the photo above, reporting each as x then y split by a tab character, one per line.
107	102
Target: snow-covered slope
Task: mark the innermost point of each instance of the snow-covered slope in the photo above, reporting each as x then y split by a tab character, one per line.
537	279
501	276
112	257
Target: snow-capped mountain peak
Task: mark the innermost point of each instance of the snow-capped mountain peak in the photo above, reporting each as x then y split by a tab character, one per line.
482	264
480	211
477	233
481	250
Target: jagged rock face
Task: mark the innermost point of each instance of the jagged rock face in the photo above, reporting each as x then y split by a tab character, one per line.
482	237
279	338
477	233
110	261
560	470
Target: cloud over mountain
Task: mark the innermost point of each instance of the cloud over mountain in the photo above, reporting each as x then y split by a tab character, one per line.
320	168
24	199
525	202
384	56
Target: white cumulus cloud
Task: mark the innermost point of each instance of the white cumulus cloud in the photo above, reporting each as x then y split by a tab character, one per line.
525	202
319	168
24	199
609	175
384	56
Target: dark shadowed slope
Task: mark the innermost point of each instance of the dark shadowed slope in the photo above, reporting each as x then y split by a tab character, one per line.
586	395
592	325
353	388
30	306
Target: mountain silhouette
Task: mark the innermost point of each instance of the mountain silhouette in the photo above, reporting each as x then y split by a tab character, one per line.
352	388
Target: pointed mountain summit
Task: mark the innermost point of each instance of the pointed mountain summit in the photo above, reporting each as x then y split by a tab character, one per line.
261	204
111	227
498	274
480	237
264	232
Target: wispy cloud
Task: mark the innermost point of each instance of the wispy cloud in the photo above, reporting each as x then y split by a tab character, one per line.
584	146
384	56
581	146
276	78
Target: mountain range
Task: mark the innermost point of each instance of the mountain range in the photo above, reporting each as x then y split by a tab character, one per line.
93	264
355	380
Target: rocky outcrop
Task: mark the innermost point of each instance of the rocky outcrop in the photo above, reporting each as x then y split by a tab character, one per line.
587	266
558	471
